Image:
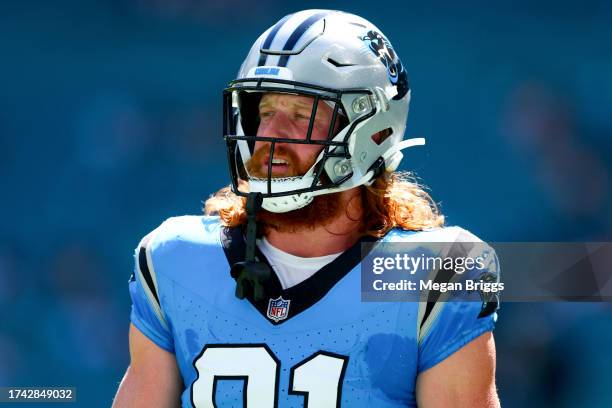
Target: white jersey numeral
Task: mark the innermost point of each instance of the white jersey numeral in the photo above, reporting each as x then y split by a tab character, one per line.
318	378
254	364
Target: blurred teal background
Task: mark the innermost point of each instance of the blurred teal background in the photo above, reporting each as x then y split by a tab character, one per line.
110	122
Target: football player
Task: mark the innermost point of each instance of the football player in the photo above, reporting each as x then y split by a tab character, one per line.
258	303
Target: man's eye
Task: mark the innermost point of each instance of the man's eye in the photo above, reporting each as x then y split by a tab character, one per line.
265	114
302	116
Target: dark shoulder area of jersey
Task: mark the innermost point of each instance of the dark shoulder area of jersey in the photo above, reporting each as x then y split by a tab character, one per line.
472	258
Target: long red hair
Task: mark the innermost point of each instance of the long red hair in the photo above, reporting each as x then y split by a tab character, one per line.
393	200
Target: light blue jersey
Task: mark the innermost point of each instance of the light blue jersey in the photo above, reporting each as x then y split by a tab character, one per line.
315	344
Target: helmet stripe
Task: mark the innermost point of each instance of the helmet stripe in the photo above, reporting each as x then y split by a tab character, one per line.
266	45
297	34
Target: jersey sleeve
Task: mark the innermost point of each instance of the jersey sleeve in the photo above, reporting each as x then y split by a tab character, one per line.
147	314
448	326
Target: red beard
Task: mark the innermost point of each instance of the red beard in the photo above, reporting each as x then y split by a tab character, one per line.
321	211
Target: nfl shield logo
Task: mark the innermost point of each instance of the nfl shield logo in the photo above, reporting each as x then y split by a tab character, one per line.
278	309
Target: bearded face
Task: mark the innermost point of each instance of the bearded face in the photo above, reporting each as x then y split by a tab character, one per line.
288	116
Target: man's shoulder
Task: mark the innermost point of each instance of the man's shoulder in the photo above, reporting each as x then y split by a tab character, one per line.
186	230
441	234
448	241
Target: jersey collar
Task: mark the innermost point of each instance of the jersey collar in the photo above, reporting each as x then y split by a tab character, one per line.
301	296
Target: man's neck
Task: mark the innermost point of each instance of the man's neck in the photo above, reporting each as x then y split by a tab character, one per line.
337	236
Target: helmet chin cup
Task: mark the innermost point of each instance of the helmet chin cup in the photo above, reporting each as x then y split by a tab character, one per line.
287	203
284	203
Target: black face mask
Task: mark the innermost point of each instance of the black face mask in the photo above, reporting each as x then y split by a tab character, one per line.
241	111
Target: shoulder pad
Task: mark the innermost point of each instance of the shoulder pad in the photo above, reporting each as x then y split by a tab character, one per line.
462	243
172	232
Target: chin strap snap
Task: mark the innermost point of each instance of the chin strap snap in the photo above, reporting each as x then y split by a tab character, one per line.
251	275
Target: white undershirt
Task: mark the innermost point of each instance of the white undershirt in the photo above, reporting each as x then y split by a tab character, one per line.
292	269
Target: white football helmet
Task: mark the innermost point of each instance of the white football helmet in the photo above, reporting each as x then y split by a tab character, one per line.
331	56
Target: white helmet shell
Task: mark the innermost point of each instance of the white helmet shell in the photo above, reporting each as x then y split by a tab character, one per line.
345	60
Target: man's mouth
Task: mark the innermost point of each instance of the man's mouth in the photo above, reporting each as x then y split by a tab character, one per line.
279	166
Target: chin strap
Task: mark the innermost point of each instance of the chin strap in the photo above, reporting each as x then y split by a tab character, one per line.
394	156
251	275
253	205
391	160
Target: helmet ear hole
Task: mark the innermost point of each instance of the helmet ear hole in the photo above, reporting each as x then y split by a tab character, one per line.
380	137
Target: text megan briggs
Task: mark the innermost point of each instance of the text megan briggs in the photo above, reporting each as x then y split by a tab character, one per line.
442	287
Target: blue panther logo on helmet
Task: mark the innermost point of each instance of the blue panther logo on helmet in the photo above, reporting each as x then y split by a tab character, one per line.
381	47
